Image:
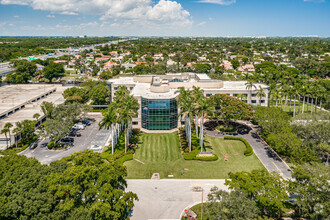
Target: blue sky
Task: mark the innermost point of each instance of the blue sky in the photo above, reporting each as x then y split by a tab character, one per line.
165	17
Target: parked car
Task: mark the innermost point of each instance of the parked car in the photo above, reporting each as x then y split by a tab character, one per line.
85	122
78	127
96	148
33	145
67	140
44	144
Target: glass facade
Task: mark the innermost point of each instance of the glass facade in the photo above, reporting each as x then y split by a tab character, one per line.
159	114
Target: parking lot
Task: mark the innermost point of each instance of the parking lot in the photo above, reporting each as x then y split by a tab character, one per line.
91	135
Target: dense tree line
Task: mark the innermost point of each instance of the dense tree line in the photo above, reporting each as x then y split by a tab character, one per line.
82	186
14	47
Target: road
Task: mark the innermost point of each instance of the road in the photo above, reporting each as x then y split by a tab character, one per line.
90	136
268	157
166	198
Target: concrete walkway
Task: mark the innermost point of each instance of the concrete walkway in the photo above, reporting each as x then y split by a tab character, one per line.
167	198
268	157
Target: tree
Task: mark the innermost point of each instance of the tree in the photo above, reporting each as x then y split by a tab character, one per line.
230	205
23	190
53	70
76	95
127	109
8	126
273	120
110	119
250	85
47	108
267	189
186	109
312	188
260	94
18	131
235	63
202	68
5	131
205	108
228	108
100	94
76	187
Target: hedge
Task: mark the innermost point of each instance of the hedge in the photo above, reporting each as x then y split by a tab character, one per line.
248	151
193	155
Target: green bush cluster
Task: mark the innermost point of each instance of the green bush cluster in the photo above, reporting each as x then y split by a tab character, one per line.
193	155
51	145
184	142
248	151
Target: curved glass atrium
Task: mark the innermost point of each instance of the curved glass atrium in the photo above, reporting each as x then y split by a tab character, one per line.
159	114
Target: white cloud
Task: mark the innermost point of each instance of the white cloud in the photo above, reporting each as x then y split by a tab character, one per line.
219	2
16	16
167	12
317	1
50	16
202	23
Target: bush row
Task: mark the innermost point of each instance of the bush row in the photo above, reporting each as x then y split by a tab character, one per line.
248	151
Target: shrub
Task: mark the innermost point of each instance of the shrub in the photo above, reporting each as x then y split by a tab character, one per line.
248	151
193	155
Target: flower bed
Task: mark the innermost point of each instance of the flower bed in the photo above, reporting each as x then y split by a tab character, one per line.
229	128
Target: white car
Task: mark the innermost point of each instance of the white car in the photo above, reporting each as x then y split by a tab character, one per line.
78	127
96	148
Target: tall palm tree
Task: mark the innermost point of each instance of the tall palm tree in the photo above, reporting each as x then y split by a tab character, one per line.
186	108
17	131
5	131
8	126
197	95
205	108
109	121
250	85
126	113
260	93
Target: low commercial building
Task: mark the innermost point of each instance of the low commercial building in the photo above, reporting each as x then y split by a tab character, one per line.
21	102
157	94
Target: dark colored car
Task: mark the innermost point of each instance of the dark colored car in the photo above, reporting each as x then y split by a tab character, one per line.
78	134
33	145
85	122
44	144
74	133
67	140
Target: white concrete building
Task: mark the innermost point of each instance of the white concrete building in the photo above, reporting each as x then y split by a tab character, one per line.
156	95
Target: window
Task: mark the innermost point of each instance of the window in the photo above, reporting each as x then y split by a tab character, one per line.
159	114
235	95
135	123
254	95
262	101
254	101
208	95
115	88
131	88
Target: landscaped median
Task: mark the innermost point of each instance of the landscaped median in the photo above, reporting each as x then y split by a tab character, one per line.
248	151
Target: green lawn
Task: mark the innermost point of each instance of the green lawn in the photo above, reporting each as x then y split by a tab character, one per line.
160	153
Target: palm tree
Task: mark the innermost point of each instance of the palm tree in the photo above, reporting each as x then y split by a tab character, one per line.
5	131
126	113
250	85
17	131
260	93
197	95
186	108
205	108
109	121
8	126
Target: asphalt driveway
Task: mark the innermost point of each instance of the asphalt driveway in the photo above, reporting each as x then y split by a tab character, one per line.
90	136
